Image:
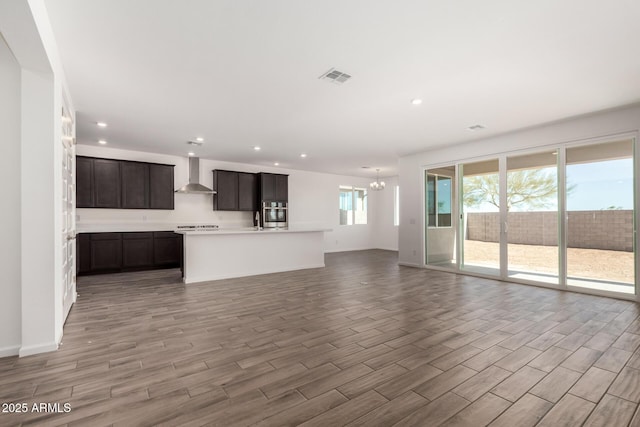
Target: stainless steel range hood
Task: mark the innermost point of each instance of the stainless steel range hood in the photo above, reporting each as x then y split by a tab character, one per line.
194	186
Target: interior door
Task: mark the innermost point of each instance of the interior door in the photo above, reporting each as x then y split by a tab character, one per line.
68	213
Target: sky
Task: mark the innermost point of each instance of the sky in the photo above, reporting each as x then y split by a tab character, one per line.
601	185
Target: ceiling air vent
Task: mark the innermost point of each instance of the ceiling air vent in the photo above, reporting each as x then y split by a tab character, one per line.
476	127
335	76
196	143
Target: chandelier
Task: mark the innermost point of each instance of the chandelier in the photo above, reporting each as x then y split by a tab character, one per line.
377	184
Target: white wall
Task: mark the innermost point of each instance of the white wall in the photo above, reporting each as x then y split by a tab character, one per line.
27	32
597	125
10	244
385	233
313	200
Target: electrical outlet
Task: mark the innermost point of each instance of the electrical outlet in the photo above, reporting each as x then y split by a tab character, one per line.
77	217
415	253
336	242
144	217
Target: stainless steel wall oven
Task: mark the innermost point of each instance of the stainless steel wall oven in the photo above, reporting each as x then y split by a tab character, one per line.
274	214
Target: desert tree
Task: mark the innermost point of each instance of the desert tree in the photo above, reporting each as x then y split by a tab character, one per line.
533	188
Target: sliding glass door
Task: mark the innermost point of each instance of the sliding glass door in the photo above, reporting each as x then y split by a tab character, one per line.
562	216
480	220
532	217
600	217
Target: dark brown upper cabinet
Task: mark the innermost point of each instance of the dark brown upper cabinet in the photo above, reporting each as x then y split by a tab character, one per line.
106	183
247	191
282	188
135	185
84	183
121	184
235	191
161	186
225	184
274	187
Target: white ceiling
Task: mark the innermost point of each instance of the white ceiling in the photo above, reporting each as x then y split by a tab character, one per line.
242	73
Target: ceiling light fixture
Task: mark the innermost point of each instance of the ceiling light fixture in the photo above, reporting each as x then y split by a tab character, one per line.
377	185
276	164
200	139
102	142
191	153
101	124
256	148
416	101
303	155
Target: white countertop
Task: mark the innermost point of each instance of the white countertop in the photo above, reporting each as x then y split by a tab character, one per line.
142	227
252	230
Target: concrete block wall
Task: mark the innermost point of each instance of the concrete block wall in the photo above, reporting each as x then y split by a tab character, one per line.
606	229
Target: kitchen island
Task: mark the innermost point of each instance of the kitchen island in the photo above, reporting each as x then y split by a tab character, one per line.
227	253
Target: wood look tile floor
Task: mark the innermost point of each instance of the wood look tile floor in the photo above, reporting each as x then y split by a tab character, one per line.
362	342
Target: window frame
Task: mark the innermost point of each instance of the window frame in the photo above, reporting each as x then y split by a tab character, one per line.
353	202
436	191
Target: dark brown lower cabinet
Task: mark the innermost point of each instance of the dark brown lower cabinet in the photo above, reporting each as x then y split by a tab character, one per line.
106	251
137	250
115	252
167	248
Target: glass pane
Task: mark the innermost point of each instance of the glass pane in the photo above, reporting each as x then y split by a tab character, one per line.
346	200
360	211
431	200
441	236
600	204
532	217
481	217
444	201
396	206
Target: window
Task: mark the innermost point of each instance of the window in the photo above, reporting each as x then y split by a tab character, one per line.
353	205
438	200
396	205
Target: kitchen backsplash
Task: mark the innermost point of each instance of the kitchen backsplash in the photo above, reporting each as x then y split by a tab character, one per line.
190	209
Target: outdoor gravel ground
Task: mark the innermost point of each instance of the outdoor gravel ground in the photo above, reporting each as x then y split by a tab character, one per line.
614	266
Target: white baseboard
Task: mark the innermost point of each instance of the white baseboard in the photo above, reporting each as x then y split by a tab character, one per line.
410	264
331	251
389	249
9	351
36	349
253	273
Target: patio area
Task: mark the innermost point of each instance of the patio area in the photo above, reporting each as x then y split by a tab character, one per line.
597	266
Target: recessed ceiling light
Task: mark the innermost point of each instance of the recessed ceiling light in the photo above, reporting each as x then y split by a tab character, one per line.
476	127
256	148
365	167
200	139
276	164
191	153
416	101
303	155
102	142
101	124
